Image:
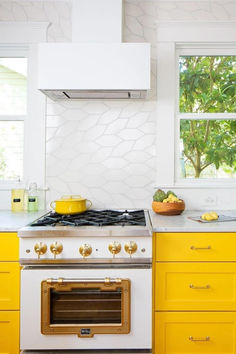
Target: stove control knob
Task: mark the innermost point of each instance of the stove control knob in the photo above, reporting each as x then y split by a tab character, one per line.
114	248
56	248
40	248
131	247
85	250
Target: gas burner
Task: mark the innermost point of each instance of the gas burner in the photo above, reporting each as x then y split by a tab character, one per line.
94	218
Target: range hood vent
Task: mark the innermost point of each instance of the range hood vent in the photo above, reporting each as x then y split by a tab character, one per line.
96	64
93	94
94	70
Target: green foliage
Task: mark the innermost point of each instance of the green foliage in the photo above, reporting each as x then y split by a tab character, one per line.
208	85
159	196
209	142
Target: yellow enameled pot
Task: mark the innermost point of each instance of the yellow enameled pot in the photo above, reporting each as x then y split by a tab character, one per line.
72	204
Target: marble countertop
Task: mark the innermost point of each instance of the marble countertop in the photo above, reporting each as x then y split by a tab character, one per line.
13	221
182	223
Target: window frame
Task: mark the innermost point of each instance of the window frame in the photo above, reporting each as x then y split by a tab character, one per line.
172	39
16	52
198	51
19	40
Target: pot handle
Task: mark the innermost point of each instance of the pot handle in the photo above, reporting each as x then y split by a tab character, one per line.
53	206
87	200
71	197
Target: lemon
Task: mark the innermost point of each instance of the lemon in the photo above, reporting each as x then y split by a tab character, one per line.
214	215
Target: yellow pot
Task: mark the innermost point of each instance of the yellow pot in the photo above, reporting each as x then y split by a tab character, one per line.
70	205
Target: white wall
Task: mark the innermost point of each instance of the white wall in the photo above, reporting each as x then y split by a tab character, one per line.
106	150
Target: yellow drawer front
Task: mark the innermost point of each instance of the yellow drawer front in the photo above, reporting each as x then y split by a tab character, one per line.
9	247
9	286
195	333
195	246
195	286
9	332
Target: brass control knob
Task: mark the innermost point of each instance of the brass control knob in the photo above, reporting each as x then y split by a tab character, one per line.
40	248
85	250
56	248
131	247
114	248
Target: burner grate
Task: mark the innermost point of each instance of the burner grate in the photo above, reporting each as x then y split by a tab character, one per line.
94	218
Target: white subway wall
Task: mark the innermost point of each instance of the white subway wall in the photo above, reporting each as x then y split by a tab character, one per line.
106	150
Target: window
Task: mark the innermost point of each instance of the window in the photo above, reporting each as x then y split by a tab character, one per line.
207	141
13	111
22	106
196	106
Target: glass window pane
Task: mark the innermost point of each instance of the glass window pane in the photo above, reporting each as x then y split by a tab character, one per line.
11	150
86	306
207	84
13	86
208	148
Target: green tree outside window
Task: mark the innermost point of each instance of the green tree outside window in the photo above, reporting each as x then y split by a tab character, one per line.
208	85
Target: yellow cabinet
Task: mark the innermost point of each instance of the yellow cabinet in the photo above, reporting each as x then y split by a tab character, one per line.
195	332
9	247
194	296
9	286
195	286
9	293
195	247
9	332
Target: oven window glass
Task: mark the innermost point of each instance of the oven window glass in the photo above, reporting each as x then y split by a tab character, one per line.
85	306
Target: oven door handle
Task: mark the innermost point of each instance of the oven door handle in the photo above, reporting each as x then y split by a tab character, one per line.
106	281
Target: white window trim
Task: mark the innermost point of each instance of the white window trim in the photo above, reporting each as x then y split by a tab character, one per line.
170	36
16	37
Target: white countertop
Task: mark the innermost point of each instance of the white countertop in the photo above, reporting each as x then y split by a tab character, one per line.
181	223
13	221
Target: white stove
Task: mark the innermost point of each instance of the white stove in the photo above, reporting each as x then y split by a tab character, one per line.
86	284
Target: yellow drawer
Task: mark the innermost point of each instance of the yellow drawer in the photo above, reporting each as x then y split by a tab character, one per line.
9	247
9	286
195	286
195	246
9	332
195	333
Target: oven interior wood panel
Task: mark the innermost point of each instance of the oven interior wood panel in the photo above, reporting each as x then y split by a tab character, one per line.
85	308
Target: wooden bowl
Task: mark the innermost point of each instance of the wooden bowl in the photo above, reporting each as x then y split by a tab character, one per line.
168	208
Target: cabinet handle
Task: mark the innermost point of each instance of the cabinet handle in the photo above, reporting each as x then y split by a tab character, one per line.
199	287
206	339
200	248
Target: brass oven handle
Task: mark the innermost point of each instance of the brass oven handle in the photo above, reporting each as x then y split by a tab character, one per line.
199	287
106	281
206	339
200	248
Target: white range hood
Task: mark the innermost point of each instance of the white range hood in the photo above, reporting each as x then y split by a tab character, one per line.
97	65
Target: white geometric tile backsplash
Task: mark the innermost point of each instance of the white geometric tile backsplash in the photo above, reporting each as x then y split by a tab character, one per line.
106	150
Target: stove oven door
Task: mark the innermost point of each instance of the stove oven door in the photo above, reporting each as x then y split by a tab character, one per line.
85	306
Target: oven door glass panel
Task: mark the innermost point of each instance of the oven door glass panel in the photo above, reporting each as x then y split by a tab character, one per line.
85	307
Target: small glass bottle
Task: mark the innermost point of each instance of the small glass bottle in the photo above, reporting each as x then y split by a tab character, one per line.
33	197
17	199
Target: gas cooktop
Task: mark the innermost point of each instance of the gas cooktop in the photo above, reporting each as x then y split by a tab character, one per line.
96	222
94	218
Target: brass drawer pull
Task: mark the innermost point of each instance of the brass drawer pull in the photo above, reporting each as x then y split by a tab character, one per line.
199	339
200	248
199	287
